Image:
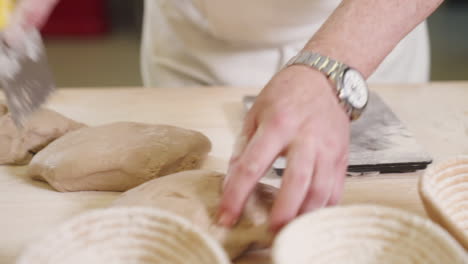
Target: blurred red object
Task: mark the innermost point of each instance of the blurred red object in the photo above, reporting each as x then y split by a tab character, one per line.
78	18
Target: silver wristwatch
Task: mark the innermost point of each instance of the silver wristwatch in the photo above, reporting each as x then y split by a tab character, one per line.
351	87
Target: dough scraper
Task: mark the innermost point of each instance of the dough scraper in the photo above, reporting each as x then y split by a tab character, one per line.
25	76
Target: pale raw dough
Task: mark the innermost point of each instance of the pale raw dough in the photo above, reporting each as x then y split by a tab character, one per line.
118	156
195	195
17	147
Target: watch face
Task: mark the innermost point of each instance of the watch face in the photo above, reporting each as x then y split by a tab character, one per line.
354	89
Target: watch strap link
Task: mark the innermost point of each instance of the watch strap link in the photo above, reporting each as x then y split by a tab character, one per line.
331	68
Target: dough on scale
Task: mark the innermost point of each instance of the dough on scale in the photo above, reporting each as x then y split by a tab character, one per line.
17	147
118	156
196	195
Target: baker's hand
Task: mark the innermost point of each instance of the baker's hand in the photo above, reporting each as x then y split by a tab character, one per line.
34	13
297	115
27	16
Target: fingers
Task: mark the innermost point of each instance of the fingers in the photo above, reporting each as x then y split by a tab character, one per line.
244	173
322	184
338	188
242	139
296	183
239	146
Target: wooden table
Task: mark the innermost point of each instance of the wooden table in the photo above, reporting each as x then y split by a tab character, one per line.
436	113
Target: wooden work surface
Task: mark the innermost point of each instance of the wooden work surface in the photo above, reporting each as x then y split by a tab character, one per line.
436	113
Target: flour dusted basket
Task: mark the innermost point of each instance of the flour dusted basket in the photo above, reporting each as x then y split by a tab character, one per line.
365	234
444	191
137	235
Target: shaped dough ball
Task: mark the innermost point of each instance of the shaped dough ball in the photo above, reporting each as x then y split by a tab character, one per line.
195	195
18	146
118	156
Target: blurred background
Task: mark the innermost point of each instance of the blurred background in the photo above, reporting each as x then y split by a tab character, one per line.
94	43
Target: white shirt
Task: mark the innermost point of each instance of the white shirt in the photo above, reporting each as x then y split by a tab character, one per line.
244	42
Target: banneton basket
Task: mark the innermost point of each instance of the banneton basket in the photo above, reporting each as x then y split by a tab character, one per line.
365	234
444	191
137	235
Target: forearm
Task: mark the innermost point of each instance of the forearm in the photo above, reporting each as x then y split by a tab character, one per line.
361	33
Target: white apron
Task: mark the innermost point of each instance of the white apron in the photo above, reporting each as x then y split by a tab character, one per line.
244	42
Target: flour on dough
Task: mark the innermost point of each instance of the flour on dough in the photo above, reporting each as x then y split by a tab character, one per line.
118	156
196	195
17	146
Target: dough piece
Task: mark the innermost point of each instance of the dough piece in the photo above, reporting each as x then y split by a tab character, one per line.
17	147
118	156
196	195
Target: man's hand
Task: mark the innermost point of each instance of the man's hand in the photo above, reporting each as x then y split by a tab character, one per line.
34	13
298	115
28	15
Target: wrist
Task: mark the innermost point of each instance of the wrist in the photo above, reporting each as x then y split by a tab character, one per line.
349	85
312	77
316	83
313	80
343	52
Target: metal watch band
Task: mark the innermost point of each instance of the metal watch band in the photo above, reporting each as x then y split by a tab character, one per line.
322	63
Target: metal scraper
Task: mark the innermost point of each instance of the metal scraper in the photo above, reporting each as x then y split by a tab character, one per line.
24	72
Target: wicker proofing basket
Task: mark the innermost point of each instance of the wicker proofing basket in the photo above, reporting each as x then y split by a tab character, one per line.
365	234
136	235
444	191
